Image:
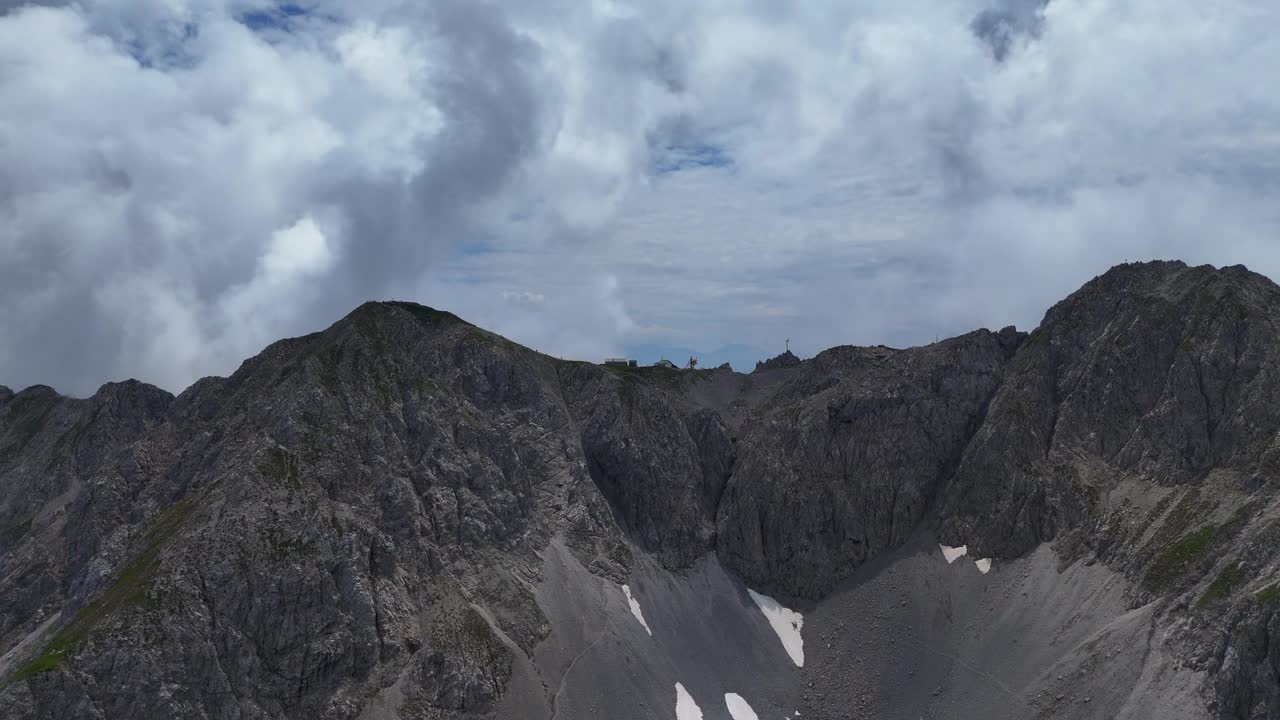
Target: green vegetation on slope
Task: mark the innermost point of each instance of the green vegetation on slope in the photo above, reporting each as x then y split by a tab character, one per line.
1230	577
1174	560
1268	593
128	589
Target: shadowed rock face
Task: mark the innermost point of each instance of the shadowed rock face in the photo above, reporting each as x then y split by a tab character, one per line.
661	462
359	523
844	460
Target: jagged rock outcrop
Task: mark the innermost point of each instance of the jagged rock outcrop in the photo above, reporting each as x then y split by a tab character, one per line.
313	526
359	518
1157	370
56	459
787	359
843	461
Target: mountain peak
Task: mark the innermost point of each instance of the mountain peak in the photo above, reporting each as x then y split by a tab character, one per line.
133	397
38	390
787	359
1159	275
423	313
426	313
1165	293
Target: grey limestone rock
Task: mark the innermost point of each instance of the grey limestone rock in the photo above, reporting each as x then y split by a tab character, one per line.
843	461
357	519
787	359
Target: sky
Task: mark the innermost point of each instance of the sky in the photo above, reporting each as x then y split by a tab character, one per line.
183	182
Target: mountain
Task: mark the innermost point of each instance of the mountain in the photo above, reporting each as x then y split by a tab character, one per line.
406	516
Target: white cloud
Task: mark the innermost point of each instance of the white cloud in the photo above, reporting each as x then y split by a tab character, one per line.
523	297
861	172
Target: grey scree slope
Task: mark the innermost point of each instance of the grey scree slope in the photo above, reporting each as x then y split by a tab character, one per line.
405	516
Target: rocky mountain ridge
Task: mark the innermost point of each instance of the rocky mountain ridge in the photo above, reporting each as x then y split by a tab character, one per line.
358	521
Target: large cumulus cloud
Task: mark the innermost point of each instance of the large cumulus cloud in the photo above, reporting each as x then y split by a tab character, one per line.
183	181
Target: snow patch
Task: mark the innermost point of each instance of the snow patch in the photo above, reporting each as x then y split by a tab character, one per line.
686	708
635	608
739	708
786	623
984	565
952	553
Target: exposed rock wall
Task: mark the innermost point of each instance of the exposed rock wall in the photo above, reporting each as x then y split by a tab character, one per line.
360	513
845	458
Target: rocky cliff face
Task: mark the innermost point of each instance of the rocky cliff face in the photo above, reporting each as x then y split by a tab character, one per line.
1157	371
661	462
359	519
843	461
327	520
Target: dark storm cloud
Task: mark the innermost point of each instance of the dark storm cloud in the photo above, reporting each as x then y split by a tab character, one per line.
1013	21
493	118
192	259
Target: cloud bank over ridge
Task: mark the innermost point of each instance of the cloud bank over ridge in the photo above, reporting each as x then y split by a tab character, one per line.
184	181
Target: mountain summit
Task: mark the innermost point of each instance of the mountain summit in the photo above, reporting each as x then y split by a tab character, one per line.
406	516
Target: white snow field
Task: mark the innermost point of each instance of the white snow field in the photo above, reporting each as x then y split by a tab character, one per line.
952	553
739	708
686	708
786	623
635	608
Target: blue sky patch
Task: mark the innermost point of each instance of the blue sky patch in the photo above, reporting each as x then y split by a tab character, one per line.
675	158
278	17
